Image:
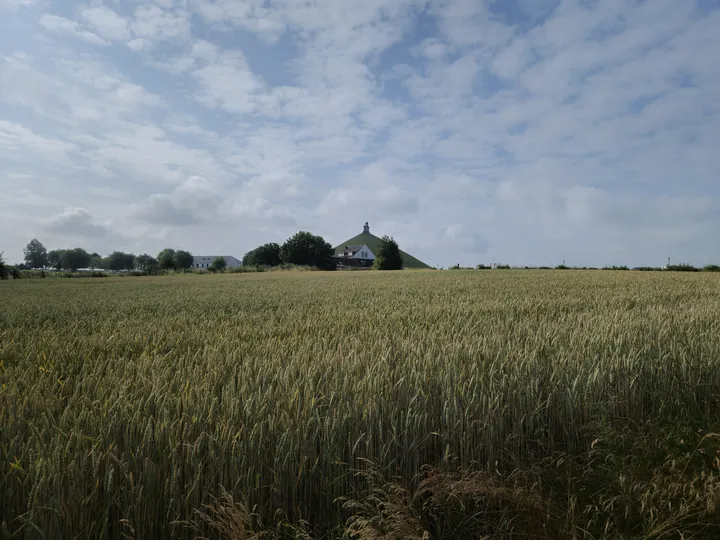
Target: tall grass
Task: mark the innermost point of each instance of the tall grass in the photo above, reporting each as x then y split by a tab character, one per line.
415	405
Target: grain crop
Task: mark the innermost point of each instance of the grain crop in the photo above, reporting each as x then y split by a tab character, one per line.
456	404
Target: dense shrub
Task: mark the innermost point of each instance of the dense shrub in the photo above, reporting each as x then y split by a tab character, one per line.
388	256
682	267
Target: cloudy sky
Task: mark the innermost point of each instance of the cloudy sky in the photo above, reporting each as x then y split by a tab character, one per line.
473	131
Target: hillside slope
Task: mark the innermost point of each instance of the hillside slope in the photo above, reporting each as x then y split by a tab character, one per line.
373	242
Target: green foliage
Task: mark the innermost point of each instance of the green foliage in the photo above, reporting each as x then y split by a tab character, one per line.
166	259
36	256
183	260
711	268
147	264
119	261
4	270
265	255
682	267
388	257
502	267
73	259
96	261
219	264
55	258
306	249
483	267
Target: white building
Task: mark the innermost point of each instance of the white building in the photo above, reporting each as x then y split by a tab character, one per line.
358	253
205	261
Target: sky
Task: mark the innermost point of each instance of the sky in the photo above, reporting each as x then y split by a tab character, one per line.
523	132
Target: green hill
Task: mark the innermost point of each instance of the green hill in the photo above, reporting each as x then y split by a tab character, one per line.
373	242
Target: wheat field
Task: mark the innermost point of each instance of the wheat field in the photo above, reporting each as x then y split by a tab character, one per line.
455	404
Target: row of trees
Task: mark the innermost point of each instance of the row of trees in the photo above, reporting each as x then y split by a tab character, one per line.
36	256
306	249
301	249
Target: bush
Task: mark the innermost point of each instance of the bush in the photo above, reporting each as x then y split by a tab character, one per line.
388	256
219	264
623	268
265	255
483	267
712	268
502	267
4	271
247	269
306	249
682	267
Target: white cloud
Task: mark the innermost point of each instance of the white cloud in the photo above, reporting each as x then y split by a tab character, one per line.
226	81
61	25
77	223
16	139
464	241
154	24
13	5
107	23
193	202
520	132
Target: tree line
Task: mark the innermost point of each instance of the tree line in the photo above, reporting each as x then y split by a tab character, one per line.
307	249
301	249
72	260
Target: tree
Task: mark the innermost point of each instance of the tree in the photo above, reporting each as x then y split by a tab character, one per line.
166	259
121	261
388	256
265	255
4	271
96	261
219	264
73	259
305	249
55	258
183	259
147	264
36	256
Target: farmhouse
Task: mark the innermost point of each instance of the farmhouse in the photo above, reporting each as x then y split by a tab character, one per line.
362	249
205	261
360	255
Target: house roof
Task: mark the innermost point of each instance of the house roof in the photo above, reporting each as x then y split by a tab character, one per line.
373	242
354	249
213	257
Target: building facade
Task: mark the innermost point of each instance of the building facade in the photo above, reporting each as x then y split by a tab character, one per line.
205	261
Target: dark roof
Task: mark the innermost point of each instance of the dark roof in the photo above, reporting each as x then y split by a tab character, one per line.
373	242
